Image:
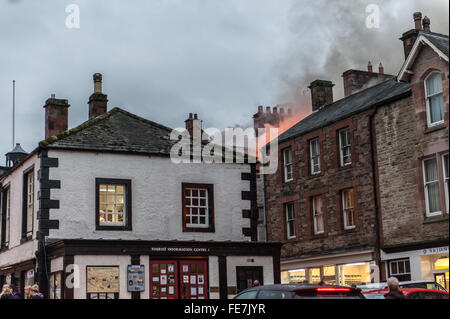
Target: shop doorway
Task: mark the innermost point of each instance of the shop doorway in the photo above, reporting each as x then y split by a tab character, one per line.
442	279
246	276
178	279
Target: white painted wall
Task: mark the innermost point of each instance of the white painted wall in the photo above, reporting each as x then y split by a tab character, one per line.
245	261
80	276
156	196
213	272
17	252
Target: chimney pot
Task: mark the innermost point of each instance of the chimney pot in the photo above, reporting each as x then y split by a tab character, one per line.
275	110
369	67
98	102
191	122
195	116
426	24
268	110
260	109
381	68
417	20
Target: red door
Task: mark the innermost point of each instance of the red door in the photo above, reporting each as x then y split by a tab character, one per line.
193	279
163	279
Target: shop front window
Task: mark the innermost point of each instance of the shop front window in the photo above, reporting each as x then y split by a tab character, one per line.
294	276
55	286
441	272
354	274
400	269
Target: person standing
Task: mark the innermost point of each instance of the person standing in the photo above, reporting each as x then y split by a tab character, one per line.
394	292
6	293
16	293
27	292
35	294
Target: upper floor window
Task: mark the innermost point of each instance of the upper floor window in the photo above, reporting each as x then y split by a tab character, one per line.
345	147
198	207
314	150
400	269
28	204
446	185
287	163
431	183
6	215
434	98
290	221
348	207
318	219
113	204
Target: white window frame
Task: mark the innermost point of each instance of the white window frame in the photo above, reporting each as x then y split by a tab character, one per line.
342	147
30	203
314	157
288	166
446	185
404	261
425	185
317	214
427	100
290	218
345	209
7	217
198	207
115	204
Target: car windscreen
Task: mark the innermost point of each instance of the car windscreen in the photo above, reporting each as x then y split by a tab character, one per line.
274	294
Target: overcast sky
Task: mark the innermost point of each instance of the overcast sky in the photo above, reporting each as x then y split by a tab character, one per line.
162	59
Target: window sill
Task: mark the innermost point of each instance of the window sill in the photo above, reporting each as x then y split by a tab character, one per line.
434	128
23	240
198	230
113	228
436	219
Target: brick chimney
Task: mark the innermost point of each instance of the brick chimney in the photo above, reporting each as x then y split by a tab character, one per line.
56	116
272	118
321	93
369	67
98	102
409	37
356	80
193	124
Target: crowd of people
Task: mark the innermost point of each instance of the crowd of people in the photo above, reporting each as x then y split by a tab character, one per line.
30	292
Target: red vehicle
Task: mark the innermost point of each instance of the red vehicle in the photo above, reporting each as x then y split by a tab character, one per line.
410	293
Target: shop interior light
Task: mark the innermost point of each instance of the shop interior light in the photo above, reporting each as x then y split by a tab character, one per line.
296	270
356	264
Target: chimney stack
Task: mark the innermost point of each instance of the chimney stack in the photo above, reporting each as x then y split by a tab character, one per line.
193	123
409	37
56	116
321	93
381	68
369	67
98	102
426	24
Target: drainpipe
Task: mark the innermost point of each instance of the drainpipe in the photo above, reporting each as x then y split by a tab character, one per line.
375	189
264	198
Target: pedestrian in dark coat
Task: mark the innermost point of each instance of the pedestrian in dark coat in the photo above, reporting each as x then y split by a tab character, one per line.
16	293
394	292
35	294
6	293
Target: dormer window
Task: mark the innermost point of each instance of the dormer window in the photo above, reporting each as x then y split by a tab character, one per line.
434	99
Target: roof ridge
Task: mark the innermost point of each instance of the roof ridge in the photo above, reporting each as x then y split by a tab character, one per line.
140	118
440	35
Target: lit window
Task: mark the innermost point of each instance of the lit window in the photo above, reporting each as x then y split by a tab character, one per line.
431	183
287	160
290	221
314	148
28	221
446	185
345	147
198	207
434	99
113	204
318	215
348	205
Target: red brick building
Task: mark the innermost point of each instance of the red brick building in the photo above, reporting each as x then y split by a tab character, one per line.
329	203
412	160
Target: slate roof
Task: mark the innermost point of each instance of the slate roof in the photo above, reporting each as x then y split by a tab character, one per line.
439	40
115	131
348	106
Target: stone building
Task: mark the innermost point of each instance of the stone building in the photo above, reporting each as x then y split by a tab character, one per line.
412	163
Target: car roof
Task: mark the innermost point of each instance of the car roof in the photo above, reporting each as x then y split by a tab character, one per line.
296	287
404	290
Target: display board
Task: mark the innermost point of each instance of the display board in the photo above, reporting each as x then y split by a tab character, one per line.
102	279
136	278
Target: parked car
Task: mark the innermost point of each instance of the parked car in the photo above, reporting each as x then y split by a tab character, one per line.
410	293
424	284
300	291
